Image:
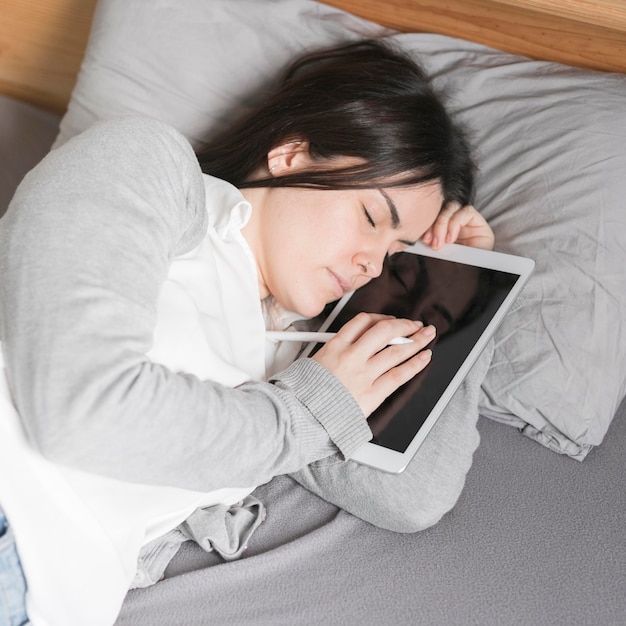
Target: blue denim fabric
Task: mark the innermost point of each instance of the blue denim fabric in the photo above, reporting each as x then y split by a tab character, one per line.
12	583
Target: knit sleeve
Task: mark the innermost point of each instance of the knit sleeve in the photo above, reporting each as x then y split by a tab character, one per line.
84	249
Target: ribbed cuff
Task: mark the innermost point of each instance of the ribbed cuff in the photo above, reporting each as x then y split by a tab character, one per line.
330	403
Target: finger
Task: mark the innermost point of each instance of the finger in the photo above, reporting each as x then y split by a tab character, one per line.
427	237
352	330
394	378
440	230
440	227
454	230
378	336
462	218
479	239
392	356
474	230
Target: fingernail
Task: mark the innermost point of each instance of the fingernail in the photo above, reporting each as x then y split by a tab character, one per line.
425	355
429	331
418	323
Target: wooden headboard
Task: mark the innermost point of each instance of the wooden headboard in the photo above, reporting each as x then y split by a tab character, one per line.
42	42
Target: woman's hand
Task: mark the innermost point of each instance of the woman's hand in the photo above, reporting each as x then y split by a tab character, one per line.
360	357
459	224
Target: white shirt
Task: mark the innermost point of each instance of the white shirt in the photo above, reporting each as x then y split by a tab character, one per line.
211	324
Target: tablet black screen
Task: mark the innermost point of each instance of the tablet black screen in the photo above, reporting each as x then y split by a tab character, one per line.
459	300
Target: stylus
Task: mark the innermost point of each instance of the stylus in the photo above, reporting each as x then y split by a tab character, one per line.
306	337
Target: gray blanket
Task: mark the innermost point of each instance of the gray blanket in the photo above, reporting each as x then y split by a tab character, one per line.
536	538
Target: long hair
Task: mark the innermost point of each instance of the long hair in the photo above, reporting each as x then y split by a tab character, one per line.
361	100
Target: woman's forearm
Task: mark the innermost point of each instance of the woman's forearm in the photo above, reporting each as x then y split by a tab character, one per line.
84	250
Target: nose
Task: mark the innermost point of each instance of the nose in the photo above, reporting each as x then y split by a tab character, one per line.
368	267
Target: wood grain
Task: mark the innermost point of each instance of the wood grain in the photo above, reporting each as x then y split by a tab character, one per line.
41	48
583	33
609	14
42	41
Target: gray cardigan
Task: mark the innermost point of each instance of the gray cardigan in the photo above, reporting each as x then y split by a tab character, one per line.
84	248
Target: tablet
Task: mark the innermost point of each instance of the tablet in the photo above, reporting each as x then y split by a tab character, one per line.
465	293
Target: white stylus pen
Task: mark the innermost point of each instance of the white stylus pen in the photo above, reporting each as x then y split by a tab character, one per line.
306	337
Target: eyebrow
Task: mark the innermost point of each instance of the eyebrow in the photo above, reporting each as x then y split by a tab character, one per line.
393	209
395	216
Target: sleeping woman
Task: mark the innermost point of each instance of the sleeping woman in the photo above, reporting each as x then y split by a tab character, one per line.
138	281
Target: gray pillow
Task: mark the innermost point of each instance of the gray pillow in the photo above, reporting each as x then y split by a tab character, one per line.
550	141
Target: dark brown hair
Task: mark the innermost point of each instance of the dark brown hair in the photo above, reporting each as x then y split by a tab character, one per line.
362	100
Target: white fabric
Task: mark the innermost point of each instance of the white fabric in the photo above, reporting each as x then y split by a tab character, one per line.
79	535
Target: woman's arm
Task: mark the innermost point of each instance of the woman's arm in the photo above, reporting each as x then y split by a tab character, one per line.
84	249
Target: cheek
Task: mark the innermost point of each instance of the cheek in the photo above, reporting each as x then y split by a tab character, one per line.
296	283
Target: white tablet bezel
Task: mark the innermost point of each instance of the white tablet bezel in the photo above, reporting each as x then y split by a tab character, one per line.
392	461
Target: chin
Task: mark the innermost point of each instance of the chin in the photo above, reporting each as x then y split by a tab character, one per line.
305	301
309	312
307	309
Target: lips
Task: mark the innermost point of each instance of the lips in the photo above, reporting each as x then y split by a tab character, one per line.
341	285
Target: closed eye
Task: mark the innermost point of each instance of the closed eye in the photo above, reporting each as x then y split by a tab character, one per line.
368	217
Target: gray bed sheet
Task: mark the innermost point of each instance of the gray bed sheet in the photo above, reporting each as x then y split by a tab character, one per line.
536	538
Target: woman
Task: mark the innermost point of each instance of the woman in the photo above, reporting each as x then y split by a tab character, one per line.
136	293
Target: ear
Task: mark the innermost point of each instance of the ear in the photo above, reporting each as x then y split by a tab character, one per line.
288	156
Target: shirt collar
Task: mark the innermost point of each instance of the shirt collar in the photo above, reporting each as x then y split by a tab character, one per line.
228	210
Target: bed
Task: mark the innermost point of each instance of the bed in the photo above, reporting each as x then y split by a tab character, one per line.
538	534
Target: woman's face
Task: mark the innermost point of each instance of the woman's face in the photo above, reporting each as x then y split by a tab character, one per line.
312	246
